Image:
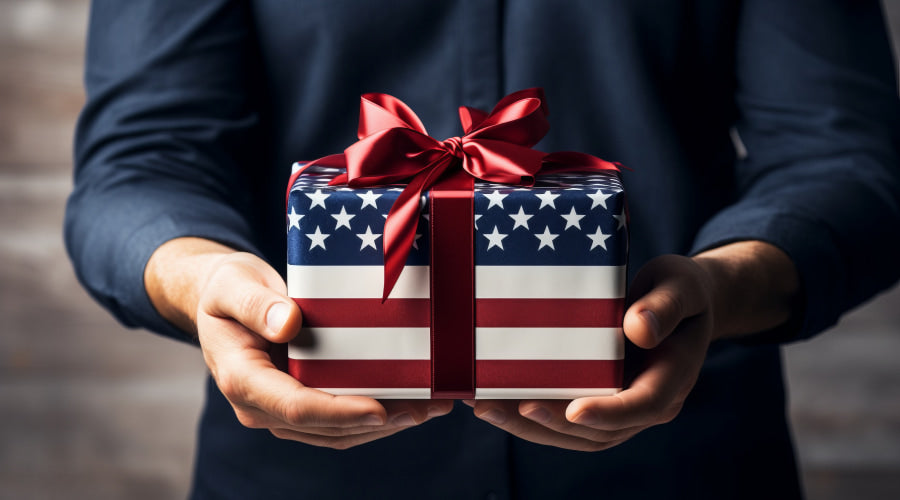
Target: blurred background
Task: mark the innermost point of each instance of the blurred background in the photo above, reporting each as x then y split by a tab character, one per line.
91	410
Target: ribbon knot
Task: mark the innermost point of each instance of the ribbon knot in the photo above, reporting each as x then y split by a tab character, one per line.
394	148
454	146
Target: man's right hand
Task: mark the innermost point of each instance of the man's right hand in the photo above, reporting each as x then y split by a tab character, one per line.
237	305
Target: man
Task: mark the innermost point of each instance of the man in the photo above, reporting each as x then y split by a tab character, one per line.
197	109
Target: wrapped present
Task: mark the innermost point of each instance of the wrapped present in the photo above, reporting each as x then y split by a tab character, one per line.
455	286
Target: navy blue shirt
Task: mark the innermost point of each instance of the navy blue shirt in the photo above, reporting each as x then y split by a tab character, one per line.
196	110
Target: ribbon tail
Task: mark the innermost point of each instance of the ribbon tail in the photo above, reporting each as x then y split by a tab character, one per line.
574	161
402	220
336	161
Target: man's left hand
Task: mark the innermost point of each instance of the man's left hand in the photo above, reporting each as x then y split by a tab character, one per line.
679	305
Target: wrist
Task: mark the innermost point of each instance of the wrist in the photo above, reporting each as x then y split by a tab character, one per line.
754	286
176	275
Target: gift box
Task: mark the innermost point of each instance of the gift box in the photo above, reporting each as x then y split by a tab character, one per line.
473	267
549	286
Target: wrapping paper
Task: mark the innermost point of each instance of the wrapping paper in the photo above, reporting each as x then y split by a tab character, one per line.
549	287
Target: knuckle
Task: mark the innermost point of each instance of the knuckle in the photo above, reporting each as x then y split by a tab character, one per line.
669	413
248	419
250	304
594	446
283	434
672	302
229	386
294	415
341	444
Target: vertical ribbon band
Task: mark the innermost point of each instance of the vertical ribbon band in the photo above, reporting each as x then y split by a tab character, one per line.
452	273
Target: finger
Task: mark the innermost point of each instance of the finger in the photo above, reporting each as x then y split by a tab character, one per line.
504	414
247	377
413	412
399	414
335	442
657	393
552	415
296	406
665	291
254	418
249	291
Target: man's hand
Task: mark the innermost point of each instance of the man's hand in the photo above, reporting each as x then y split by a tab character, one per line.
679	305
237	306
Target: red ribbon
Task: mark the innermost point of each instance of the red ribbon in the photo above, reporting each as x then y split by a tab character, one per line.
394	148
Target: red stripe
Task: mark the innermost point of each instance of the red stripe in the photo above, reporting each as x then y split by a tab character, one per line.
496	373
344	313
562	313
535	313
362	373
491	373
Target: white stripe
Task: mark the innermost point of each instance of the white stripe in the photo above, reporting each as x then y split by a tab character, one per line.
543	393
549	343
376	393
549	282
491	282
490	343
355	282
363	343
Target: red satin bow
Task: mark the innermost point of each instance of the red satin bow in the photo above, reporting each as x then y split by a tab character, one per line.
394	148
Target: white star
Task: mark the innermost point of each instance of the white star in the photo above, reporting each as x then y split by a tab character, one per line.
546	239
294	218
416	241
342	219
495	239
368	238
318	198
317	239
547	199
496	198
521	219
598	239
572	219
599	199
369	199
621	218
477	216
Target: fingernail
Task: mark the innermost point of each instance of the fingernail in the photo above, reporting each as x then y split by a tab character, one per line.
403	420
539	414
652	322
494	416
277	316
469	402
371	420
435	411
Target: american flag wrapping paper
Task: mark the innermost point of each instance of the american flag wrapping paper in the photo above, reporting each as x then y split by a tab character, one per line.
550	273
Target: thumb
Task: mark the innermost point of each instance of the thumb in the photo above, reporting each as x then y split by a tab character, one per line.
283	320
246	289
666	291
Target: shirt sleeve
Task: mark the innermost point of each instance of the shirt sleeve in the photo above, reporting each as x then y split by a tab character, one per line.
169	120
818	115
